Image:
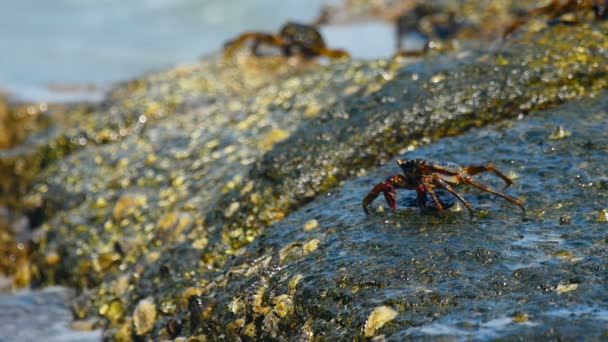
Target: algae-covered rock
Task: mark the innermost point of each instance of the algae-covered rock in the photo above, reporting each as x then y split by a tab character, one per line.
239	214
449	278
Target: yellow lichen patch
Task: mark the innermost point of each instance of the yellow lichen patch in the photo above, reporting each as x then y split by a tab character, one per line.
105	261
191	291
200	243
232	208
501	60
567	255
520	317
258	302
311	246
235	326
307	332
125	332
175	222
127	204
603	216
273	137
312	110
250	330
311	225
113	311
152	257
233	183
561	288
291	251
236	306
23	273
144	316
120	285
247	188
248	123
293	283
167	221
283	305
377	319
350	90
101	203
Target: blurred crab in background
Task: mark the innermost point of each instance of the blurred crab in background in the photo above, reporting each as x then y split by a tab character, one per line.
557	9
294	39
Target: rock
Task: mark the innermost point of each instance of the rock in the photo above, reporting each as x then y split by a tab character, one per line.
144	316
225	214
377	319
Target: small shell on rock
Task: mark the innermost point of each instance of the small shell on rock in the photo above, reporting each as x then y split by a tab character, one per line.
603	216
144	316
377	319
566	288
85	324
457	207
291	251
283	305
520	317
293	283
232	208
113	310
127	204
311	246
311	225
559	133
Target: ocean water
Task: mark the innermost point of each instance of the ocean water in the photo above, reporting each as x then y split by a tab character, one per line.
42	315
74	49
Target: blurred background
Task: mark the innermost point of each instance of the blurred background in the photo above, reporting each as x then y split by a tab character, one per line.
74	49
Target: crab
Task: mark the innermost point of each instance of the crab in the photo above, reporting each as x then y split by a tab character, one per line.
424	176
557	8
294	39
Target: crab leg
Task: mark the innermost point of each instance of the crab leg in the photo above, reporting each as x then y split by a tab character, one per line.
333	54
429	189
440	182
388	188
421	196
475	169
231	47
478	185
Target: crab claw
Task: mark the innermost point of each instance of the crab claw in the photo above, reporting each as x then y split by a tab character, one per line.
421	196
389	191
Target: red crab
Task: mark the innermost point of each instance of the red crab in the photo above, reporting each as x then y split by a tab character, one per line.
424	176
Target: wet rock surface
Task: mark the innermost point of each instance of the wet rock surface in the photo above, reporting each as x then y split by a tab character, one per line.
226	197
500	276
